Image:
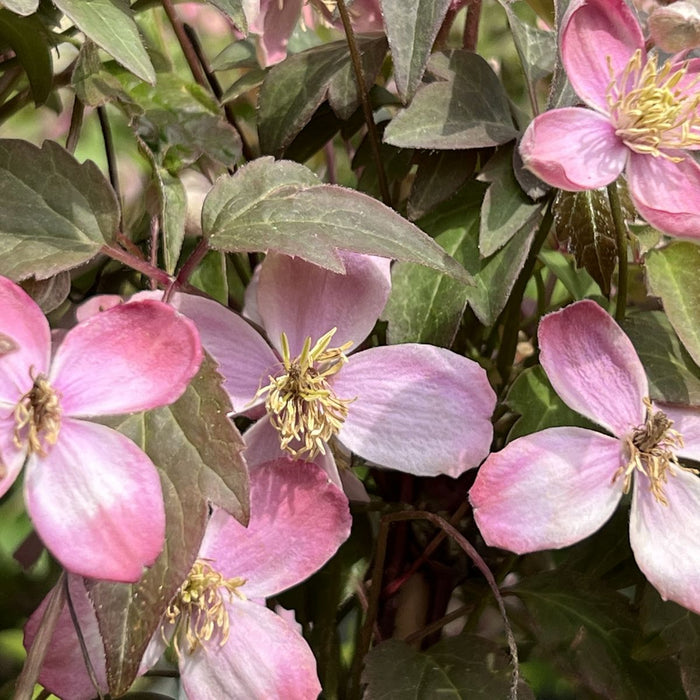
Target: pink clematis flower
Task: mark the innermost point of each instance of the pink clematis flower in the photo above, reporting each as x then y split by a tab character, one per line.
555	487
94	497
643	119
228	643
416	408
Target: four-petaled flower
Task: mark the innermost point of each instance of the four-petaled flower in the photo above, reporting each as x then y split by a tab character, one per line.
416	408
555	487
643	119
227	642
94	497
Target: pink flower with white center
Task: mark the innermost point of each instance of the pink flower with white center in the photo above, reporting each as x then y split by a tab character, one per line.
228	643
416	408
94	497
643	119
553	488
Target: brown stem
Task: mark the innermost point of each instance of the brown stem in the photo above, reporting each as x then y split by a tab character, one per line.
185	44
188	268
366	106
471	26
138	264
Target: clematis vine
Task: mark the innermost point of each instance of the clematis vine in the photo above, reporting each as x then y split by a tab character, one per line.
555	487
431	407
643	119
227	643
94	497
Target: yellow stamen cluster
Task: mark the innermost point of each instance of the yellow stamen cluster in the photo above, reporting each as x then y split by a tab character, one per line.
300	402
199	610
37	417
650	450
651	113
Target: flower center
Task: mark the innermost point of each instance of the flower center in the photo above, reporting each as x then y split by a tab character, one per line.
199	609
649	109
301	404
37	417
650	451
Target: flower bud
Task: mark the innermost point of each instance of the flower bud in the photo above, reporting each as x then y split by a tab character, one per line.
676	27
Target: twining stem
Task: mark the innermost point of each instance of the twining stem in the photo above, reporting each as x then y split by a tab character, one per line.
511	314
621	236
24	688
471	25
81	641
138	264
375	590
366	106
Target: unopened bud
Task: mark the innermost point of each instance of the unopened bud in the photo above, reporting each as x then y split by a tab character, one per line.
676	27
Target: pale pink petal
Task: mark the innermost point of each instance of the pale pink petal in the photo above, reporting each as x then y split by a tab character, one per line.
263	658
593	366
25	342
250	299
666	194
298	519
63	670
96	304
573	149
11	457
596	34
244	357
686	420
664	538
96	502
419	409
279	20
547	490
354	488
129	358
263	445
301	299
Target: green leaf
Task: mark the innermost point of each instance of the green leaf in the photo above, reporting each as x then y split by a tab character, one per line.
21	7
672	274
173	207
239	54
467	109
249	80
506	208
28	38
234	9
197	451
294	88
577	281
210	276
533	397
56	212
280	205
672	374
93	85
466	666
411	27
49	293
584	219
587	630
440	174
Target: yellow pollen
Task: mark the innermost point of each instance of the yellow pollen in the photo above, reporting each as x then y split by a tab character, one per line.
37	416
650	450
649	110
199	609
300	402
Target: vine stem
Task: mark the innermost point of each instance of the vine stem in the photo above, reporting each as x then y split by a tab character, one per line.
471	25
138	264
185	44
366	106
621	236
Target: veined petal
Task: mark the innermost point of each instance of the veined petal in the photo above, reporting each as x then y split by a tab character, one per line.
597	35
664	538
11	457
264	657
25	341
666	194
301	299
263	445
573	149
96	502
593	366
547	490
63	669
244	357
419	409
129	358
686	420
298	519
